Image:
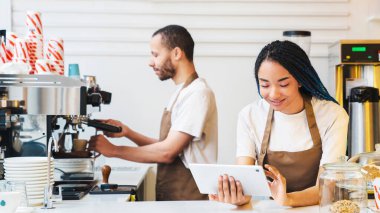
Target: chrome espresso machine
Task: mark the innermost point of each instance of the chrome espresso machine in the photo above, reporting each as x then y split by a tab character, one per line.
36	109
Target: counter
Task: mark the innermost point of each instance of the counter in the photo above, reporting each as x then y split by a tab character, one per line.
135	176
115	203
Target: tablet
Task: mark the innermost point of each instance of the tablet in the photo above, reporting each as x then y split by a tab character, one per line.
252	178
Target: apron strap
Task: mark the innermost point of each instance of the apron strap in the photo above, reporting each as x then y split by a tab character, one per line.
265	142
315	136
313	127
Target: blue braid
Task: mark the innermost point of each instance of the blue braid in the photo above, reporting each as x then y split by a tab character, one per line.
294	59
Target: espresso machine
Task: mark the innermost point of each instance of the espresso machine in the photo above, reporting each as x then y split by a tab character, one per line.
38	109
356	64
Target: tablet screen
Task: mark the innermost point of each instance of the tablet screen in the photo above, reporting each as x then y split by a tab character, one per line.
252	178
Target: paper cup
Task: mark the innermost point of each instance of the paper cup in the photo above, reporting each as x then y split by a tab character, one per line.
57	66
11	41
42	66
21	49
33	22
376	191
55	49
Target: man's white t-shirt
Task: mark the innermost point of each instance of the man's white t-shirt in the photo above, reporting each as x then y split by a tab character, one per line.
291	132
195	113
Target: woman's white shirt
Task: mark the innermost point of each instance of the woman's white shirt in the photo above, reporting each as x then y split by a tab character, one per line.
291	132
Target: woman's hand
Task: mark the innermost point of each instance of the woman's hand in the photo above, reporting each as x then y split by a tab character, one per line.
230	191
277	186
124	129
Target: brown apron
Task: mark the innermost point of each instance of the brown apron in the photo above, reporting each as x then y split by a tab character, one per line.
299	168
174	180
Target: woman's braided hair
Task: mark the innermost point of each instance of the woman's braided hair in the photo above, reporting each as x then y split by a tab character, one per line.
294	59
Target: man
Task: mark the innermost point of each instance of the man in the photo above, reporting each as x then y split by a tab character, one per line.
188	132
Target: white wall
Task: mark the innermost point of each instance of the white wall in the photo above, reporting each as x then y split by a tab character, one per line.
110	39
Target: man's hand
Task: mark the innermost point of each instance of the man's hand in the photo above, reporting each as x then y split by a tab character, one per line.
100	144
124	129
230	191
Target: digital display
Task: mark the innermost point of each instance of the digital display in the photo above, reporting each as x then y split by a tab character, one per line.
359	49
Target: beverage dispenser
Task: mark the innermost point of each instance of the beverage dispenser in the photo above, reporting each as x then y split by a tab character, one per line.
356	63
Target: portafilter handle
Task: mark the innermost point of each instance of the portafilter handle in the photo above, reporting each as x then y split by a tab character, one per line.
106	171
103	126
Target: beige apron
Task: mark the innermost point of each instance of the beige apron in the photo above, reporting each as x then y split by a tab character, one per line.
174	180
299	168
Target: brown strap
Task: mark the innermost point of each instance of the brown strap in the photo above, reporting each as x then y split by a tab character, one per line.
313	127
315	136
188	81
265	142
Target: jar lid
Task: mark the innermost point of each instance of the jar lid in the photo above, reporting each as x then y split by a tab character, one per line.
342	166
375	154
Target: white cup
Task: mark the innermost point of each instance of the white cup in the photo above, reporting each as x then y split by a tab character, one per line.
9	200
20	186
15	186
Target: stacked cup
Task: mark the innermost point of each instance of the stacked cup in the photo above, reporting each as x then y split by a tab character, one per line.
34	37
42	67
11	41
74	71
21	54
55	53
5	55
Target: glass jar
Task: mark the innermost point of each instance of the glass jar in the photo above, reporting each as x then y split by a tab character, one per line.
301	38
342	188
370	162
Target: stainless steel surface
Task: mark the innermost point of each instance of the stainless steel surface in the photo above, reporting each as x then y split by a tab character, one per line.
11	103
45	94
364	127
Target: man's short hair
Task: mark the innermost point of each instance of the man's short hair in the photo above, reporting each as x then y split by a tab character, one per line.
177	36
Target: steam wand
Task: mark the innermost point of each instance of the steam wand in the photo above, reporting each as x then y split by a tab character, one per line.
48	202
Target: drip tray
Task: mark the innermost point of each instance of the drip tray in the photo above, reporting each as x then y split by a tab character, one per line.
121	189
73	190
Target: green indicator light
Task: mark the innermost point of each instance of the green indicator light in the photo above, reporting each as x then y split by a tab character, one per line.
369	57
359	49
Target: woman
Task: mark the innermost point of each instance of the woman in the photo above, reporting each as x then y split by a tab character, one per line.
292	131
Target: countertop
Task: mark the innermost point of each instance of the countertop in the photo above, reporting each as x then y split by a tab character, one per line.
135	176
115	203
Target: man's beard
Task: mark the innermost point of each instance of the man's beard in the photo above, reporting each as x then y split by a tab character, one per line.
167	71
